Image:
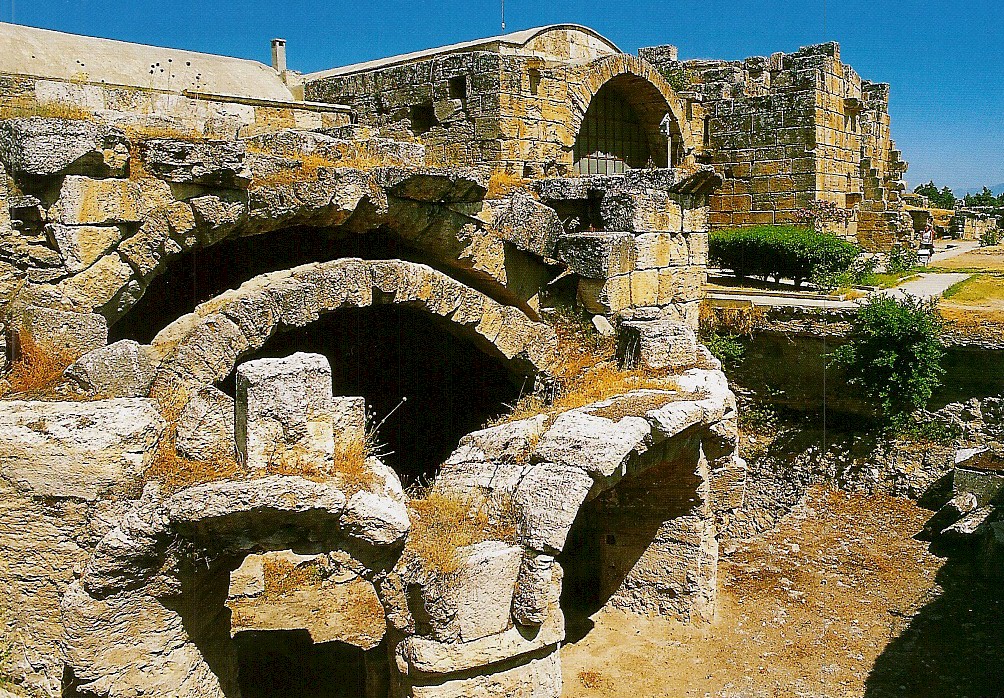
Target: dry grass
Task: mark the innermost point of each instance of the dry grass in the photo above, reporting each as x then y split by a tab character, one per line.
24	106
502	183
282	577
742	320
980	290
585	371
360	156
442	524
976	260
37	370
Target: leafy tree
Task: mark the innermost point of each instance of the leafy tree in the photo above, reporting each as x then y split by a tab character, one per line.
984	198
943	198
894	353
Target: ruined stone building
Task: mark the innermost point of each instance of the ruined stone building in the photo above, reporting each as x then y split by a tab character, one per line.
233	267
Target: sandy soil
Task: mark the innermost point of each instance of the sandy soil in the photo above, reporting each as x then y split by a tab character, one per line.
980	259
838	600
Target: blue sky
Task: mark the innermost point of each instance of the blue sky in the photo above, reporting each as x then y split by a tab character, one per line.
945	60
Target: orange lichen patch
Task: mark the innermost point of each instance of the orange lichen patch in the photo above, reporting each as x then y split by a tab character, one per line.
442	524
282	577
38	369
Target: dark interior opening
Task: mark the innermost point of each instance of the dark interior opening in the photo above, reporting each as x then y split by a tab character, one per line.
282	663
423	118
386	353
458	87
201	274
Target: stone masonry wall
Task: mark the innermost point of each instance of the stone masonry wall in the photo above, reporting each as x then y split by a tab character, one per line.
788	129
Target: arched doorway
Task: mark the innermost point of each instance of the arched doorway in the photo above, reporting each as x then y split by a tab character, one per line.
611	139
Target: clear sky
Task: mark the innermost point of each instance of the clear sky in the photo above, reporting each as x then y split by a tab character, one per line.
945	60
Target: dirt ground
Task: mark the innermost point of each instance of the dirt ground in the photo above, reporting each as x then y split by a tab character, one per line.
979	259
838	600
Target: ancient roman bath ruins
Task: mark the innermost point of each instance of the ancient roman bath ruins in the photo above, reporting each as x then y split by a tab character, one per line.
248	266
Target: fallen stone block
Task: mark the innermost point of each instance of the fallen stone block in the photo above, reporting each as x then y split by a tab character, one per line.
657	344
968	526
122	369
957	507
284	412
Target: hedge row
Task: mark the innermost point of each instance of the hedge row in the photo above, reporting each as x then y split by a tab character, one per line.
781	251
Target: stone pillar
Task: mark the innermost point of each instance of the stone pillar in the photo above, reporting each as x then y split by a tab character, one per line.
284	415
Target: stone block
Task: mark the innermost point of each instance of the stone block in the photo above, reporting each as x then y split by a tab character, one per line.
213	163
84	201
82	245
45	147
283	412
80	450
596	445
533	678
349	418
598	255
644	288
533	589
657	344
122	369
71	335
206	426
548	497
605	297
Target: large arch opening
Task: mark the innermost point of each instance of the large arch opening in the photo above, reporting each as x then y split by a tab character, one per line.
387	353
205	272
623	128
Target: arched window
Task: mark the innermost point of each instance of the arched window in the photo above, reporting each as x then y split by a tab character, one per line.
611	138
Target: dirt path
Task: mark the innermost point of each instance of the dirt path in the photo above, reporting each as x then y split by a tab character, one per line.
838	600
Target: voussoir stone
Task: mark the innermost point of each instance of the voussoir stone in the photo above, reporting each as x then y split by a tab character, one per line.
214	163
206	426
597	445
67	333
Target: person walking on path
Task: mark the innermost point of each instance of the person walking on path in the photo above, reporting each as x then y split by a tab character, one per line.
927	243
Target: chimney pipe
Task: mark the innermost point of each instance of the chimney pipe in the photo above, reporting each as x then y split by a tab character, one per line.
279	55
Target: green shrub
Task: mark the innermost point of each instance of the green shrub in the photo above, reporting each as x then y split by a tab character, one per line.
990	237
725	347
901	260
780	251
895	352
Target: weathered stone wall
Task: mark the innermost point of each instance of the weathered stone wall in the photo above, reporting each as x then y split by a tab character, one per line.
788	129
973	225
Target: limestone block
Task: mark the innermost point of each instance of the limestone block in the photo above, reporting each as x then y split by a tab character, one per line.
606	297
533	589
596	445
475	601
969	525
151	244
216	215
728	483
82	245
45	147
985	484
77	449
512	441
644	287
376	518
249	578
212	163
548	498
598	255
529	225
237	507
205	427
71	335
957	507
349	418
284	412
654	250
657	344
435	185
122	369
84	201
130	644
424	656
97	285
533	678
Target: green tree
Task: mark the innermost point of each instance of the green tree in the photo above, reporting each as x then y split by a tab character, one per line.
939	198
984	198
894	353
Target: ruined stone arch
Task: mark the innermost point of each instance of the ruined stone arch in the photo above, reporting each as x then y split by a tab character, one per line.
647	93
205	346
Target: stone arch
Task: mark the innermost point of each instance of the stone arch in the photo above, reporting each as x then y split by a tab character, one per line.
204	347
647	92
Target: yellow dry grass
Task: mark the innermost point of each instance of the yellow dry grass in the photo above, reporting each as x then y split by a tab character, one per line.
282	577
502	183
37	370
585	370
979	259
443	523
739	320
360	156
981	290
